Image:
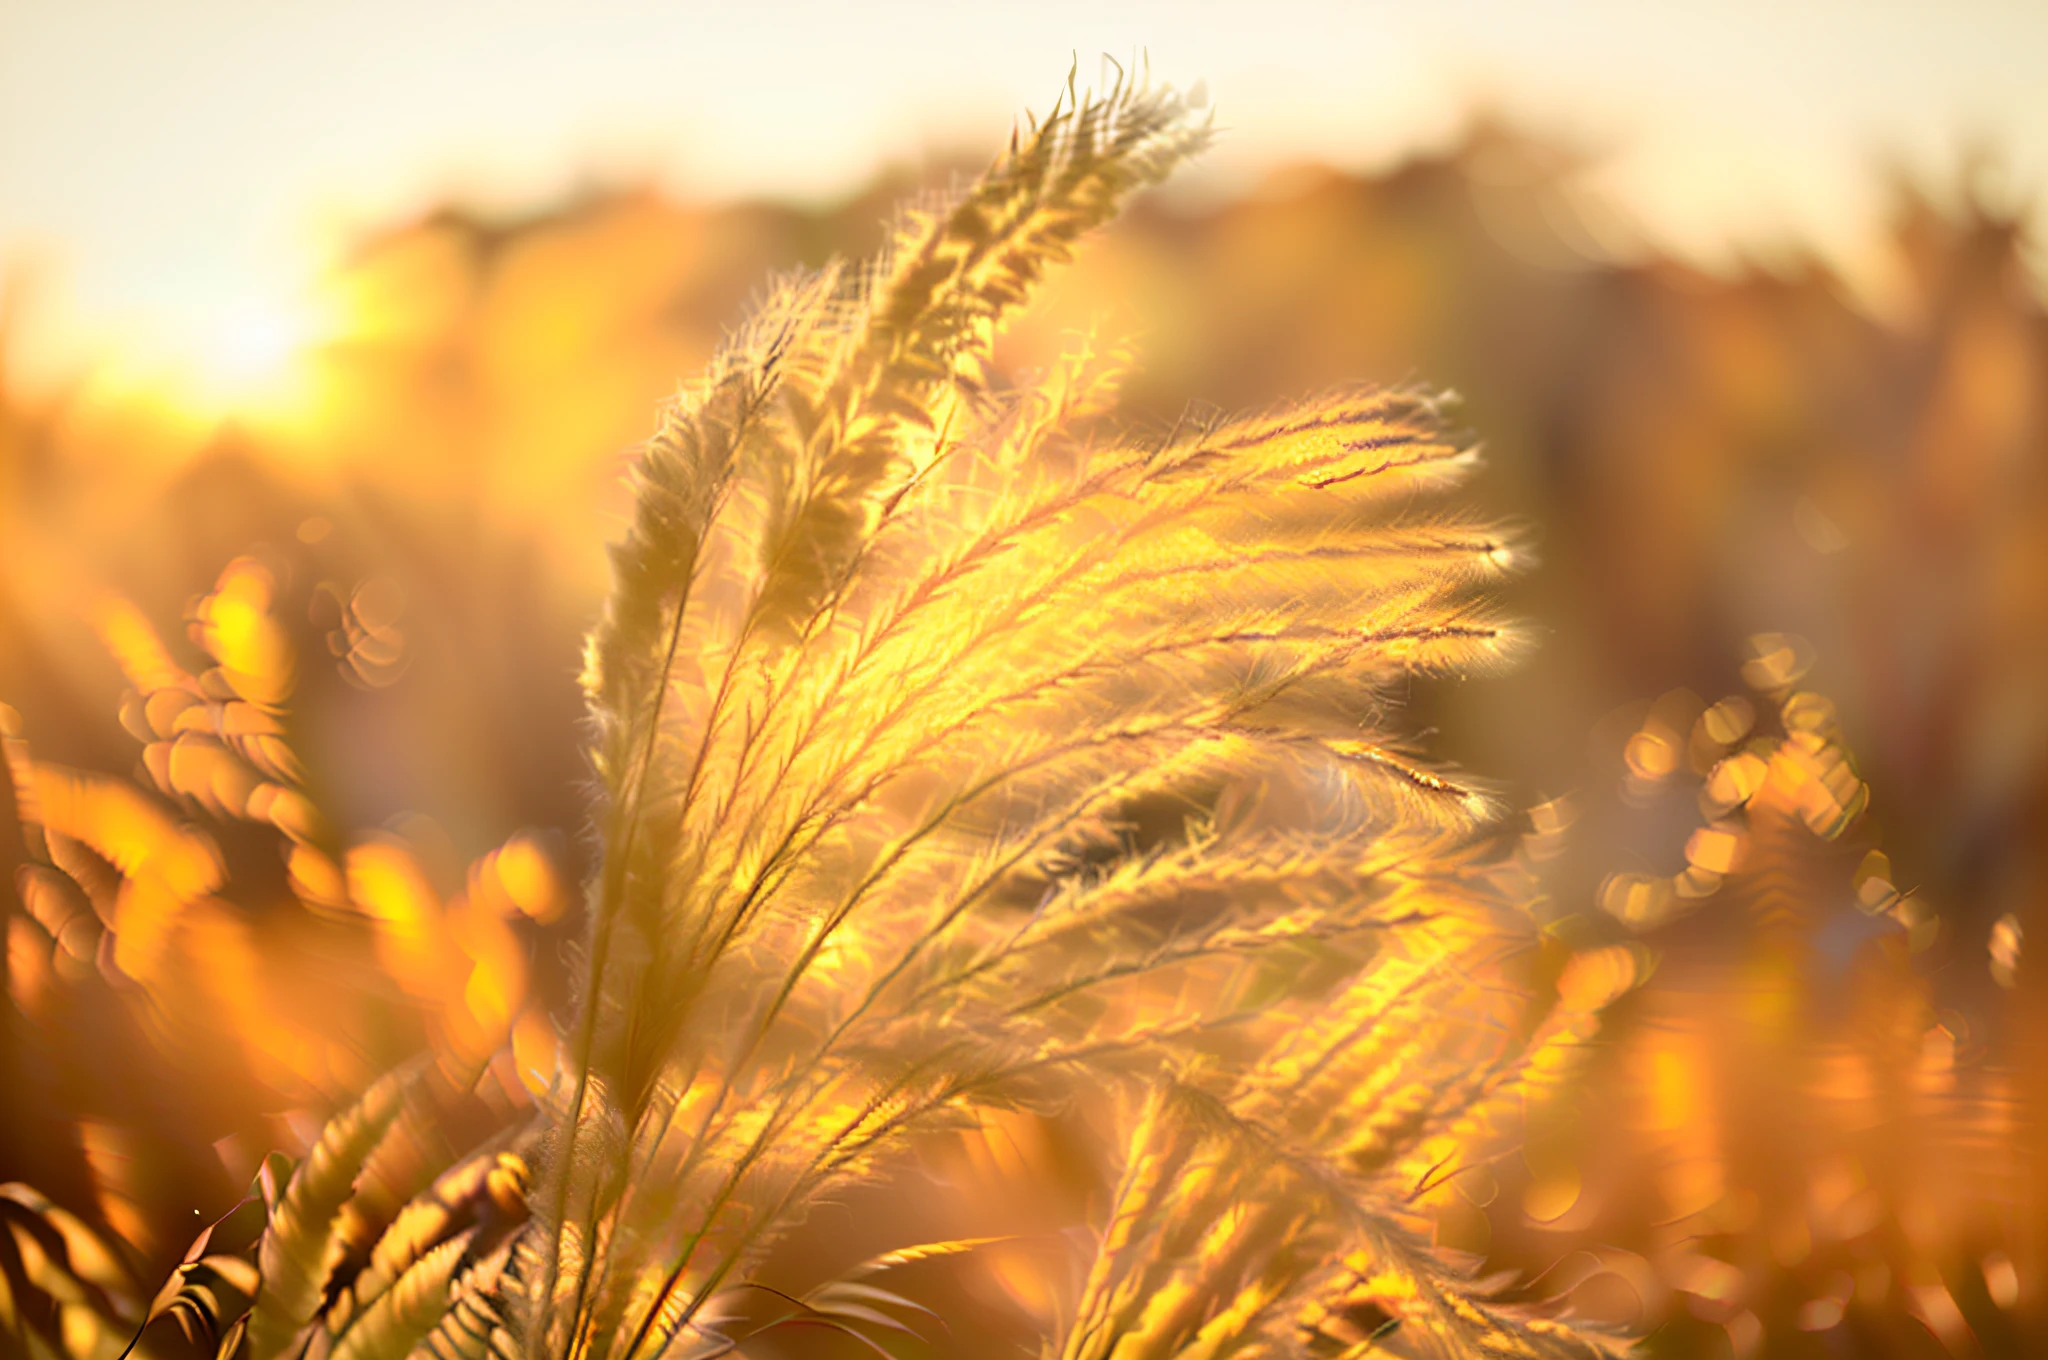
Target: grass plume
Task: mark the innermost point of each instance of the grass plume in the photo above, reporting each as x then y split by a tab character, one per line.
959	755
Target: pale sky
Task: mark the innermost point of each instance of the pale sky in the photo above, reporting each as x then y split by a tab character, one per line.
171	163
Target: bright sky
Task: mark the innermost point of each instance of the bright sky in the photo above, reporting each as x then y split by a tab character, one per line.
177	166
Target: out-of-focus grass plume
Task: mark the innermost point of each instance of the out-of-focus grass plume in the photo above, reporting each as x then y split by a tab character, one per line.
1016	847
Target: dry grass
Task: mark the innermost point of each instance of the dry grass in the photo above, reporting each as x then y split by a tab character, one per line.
1018	853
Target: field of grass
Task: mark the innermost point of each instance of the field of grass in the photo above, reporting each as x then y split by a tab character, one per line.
1360	770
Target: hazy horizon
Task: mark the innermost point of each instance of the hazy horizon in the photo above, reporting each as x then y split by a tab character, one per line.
165	174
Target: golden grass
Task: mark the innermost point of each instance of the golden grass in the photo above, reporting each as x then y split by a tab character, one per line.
1028	861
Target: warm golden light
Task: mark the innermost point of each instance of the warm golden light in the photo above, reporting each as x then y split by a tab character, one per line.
253	351
1005	886
258	363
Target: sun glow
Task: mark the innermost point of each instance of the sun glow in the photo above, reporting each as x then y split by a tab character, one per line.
255	360
255	347
252	365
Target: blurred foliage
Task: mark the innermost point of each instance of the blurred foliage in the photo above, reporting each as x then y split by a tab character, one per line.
1811	1133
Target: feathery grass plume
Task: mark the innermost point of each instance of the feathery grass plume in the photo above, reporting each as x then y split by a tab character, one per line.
64	1288
308	1263
304	1226
959	756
